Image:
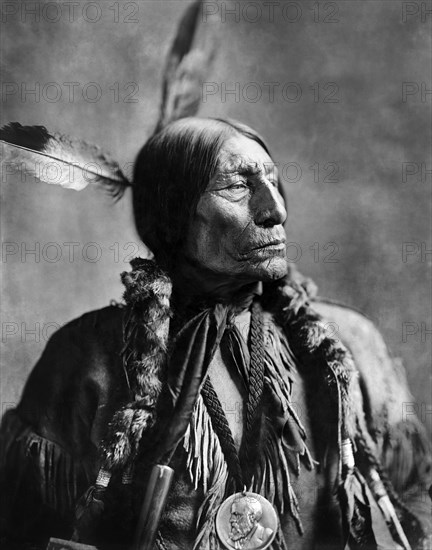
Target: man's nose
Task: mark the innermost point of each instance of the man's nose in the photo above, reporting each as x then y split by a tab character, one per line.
269	206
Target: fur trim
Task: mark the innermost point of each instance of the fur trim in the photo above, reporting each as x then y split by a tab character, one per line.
147	295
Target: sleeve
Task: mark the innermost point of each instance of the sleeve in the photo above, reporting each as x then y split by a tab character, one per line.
39	484
49	443
402	441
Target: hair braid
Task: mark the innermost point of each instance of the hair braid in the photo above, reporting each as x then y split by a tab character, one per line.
369	455
222	429
256	388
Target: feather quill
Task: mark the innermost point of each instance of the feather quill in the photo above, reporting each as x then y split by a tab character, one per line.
60	160
186	68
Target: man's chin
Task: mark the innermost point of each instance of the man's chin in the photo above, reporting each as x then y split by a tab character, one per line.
250	270
270	269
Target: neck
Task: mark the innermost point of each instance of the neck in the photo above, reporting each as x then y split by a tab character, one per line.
200	283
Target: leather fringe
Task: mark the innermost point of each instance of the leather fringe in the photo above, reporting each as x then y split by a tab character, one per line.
206	466
57	472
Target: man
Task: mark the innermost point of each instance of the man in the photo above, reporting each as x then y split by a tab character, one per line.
216	322
246	530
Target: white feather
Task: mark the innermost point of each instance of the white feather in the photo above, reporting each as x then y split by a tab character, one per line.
58	160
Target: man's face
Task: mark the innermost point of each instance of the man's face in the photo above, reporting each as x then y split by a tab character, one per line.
237	229
241	521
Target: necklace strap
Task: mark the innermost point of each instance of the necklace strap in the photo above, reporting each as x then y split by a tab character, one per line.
242	465
250	450
223	431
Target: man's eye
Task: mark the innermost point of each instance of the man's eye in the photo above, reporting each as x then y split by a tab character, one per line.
241	185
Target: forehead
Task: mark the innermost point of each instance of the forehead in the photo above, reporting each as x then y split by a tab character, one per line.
241	152
238	506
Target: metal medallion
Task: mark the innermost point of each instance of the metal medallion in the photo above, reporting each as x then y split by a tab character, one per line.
246	521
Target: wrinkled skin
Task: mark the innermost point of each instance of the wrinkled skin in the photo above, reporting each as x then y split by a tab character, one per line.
237	231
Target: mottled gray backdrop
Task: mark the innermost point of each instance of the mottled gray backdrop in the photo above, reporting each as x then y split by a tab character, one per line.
341	91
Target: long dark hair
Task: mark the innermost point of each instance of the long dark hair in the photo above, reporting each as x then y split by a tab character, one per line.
171	172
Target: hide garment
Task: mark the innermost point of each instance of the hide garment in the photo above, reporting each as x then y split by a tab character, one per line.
51	441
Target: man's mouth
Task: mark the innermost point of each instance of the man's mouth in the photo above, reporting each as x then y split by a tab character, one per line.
264	249
276	244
